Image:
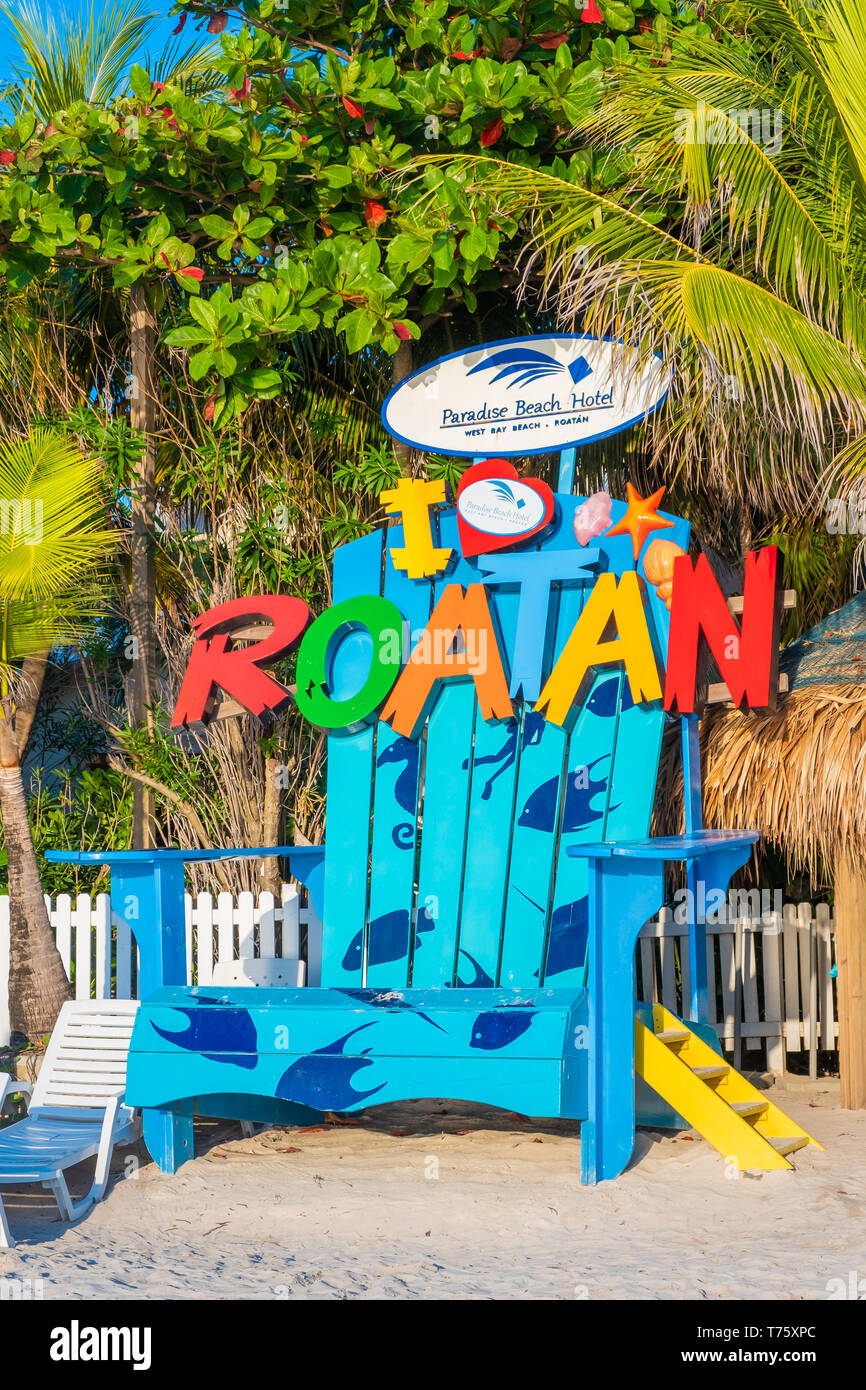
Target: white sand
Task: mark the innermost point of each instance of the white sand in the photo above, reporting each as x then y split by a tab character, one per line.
355	1214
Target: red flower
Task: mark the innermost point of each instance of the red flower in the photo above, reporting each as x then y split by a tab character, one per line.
193	272
168	115
157	86
491	133
241	93
551	40
7	157
402	331
464	57
181	23
304	139
374	213
217	22
592	14
354	110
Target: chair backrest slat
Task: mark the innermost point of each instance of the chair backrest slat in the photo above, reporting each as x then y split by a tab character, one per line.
357	570
395	806
85	1061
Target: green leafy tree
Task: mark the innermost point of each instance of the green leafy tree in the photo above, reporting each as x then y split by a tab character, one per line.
735	247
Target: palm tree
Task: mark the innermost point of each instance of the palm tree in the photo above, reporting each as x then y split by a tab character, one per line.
53	544
86	55
734	243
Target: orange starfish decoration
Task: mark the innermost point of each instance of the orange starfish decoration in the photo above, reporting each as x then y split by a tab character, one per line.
640	518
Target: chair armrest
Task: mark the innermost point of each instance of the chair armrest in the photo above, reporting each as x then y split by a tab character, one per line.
12	1087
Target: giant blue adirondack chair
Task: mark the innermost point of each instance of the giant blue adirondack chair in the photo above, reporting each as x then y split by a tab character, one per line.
481	890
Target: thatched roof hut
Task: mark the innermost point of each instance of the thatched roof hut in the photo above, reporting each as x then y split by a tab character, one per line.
799	775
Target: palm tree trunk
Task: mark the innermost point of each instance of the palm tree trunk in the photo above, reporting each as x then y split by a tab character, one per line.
38	985
142	603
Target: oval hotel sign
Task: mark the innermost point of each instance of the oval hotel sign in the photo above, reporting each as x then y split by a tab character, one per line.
525	396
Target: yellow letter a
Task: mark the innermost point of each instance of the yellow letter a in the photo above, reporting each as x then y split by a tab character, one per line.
584	651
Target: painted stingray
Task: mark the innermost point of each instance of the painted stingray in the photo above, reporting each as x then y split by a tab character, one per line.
539	813
389	999
323	1079
498	1027
403	750
220	1034
389	939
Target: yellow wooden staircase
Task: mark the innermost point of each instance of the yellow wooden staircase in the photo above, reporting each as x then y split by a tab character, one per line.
731	1114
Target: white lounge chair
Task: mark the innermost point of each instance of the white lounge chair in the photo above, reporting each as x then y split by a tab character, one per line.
76	1107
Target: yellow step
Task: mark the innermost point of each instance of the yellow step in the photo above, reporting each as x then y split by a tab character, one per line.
732	1115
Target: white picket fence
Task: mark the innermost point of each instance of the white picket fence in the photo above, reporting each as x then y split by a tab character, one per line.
777	994
99	953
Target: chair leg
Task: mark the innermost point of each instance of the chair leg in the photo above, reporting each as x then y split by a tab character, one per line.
6	1241
62	1196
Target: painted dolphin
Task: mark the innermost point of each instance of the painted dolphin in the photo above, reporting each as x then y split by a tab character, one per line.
219	1034
389	999
323	1079
499	1027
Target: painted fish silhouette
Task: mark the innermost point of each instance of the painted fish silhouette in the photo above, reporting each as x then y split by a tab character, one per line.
566	946
603	699
323	1079
499	1027
482	979
539	813
220	1034
389	999
403	750
389	939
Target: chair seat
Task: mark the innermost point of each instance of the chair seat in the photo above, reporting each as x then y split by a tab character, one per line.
344	1049
37	1147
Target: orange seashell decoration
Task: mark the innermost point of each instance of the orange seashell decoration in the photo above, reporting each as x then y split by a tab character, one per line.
658	567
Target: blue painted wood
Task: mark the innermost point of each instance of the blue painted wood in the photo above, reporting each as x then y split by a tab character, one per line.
587	801
491	814
357	570
626	888
447	764
535	830
395	806
346	1049
697	1003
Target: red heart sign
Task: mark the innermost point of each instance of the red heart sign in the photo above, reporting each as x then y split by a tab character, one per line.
497	509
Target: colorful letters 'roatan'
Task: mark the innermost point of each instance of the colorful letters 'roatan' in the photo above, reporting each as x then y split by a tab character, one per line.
460	640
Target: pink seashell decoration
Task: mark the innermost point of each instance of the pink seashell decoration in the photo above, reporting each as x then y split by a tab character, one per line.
592	517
